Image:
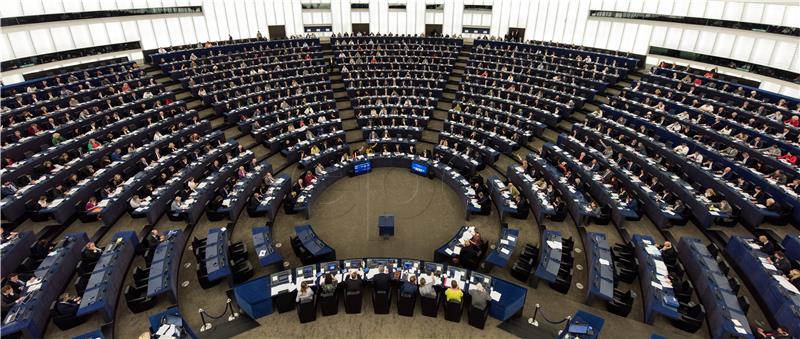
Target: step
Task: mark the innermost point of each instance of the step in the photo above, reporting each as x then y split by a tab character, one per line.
259	151
349	124
183	96
436	125
173	87
247	141
196	104
206	113
346	114
217	122
354	135
444	106
430	136
340	105
232	132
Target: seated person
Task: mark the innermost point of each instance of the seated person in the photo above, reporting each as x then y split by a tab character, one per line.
176	205
470	255
780	262
68	305
794	278
305	293
779	333
9	298
353	282
453	293
668	253
425	289
766	246
485	204
91	206
91	253
409	287
329	285
16	283
7	235
380	281
479	296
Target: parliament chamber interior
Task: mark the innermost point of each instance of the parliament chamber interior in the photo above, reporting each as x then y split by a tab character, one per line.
400	168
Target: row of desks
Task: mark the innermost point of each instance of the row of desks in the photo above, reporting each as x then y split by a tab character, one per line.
725	316
31	316
163	276
780	299
507	299
105	283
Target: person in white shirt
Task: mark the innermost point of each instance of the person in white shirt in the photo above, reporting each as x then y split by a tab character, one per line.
176	204
681	149
136	202
304	293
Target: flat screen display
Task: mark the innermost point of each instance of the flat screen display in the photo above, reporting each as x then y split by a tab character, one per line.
419	168
362	167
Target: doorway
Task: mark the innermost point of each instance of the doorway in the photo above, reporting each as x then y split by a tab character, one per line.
515	34
433	30
277	32
361	28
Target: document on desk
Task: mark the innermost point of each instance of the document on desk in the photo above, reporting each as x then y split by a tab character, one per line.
504	241
457	250
505	251
495	296
604	262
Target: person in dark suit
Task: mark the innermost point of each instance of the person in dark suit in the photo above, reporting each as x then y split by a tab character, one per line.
469	256
9	298
353	282
485	204
380	281
68	305
780	262
766	245
668	253
16	283
8	189
153	239
40	249
91	253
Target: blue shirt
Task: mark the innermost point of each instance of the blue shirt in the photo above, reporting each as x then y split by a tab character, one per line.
408	288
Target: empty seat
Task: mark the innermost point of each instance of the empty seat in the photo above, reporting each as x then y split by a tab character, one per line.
137	299
744	303
621	304
242	270
65	322
140	273
477	317
692	316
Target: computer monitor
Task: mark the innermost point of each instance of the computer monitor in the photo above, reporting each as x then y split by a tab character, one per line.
420	168
362	167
